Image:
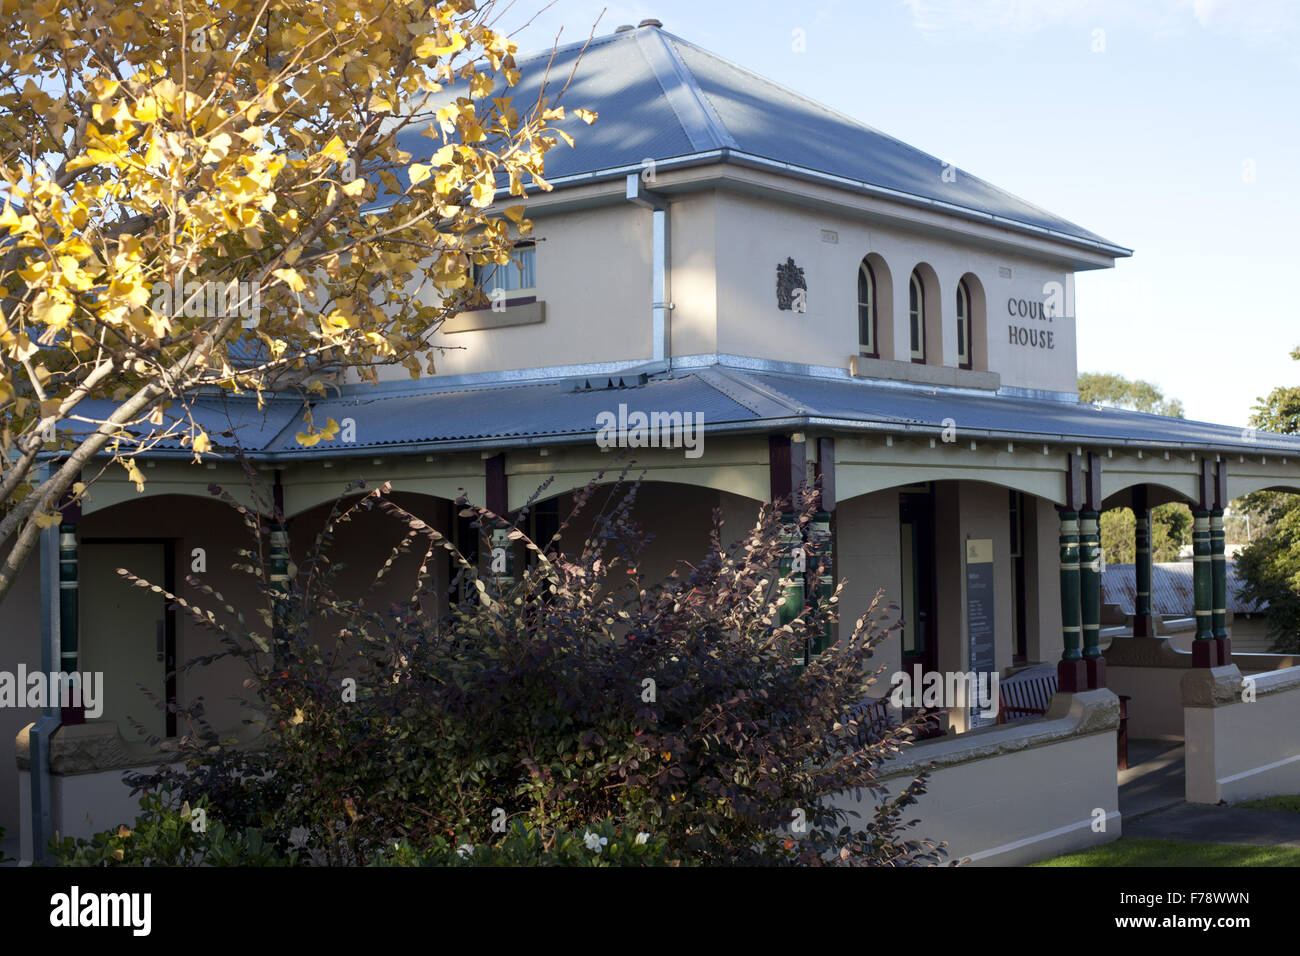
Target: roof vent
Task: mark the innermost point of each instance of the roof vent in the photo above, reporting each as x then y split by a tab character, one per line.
624	28
606	382
650	23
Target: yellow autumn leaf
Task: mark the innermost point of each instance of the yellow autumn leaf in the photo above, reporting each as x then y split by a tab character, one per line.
51	311
587	116
202	442
335	150
218	147
134	474
290	278
419	173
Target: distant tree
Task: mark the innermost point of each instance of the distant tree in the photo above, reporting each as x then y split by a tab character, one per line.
1171	524
1279	410
1269	567
1107	388
1170	529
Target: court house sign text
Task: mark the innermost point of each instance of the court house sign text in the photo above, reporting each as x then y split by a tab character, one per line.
1029	336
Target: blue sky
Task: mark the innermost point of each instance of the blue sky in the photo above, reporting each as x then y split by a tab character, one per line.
1179	138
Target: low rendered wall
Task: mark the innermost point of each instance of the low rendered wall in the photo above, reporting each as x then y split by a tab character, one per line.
1242	738
87	791
1016	793
1150	670
1261	663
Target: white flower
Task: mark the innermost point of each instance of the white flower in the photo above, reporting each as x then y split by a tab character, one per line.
594	842
464	850
642	837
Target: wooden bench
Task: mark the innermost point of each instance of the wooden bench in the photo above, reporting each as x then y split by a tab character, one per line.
1030	697
1024	699
876	717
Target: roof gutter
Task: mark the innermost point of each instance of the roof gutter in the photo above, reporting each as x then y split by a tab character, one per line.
795	422
728	155
661	242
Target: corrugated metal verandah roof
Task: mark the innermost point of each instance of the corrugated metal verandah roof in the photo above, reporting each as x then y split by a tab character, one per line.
1171	589
430	415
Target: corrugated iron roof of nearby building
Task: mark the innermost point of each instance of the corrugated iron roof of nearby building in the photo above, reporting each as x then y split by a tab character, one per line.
661	97
1171	589
430	416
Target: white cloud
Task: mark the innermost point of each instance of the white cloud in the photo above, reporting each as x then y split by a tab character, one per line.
1258	21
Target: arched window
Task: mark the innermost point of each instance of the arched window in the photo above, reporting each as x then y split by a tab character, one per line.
916	312
867	311
963	325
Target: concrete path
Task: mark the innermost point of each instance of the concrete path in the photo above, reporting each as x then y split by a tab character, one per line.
1199	823
1152	801
1153	780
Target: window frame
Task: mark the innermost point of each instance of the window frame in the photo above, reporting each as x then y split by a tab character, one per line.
964	326
529	292
871	347
916	317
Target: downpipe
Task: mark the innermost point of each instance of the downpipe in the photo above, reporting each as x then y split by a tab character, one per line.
661	305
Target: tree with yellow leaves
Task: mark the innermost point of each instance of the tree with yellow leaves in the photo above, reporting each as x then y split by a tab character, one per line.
210	195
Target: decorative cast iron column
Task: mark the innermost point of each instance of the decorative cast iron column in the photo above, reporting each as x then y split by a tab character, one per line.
1142	621
819	547
69	626
1219	590
1223	644
1071	672
1204	651
1090	587
793	566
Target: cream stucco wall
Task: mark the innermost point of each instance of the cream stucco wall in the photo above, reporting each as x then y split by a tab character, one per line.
867	549
594	278
1045	639
1240	736
1015	794
593	275
755	235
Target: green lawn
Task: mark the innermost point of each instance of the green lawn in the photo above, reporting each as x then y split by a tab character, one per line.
1290	803
1125	852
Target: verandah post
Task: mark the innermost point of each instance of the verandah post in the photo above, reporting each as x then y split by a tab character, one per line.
1090	575
1203	647
1142	569
1071	672
1219	566
69	651
1218	577
1090	594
